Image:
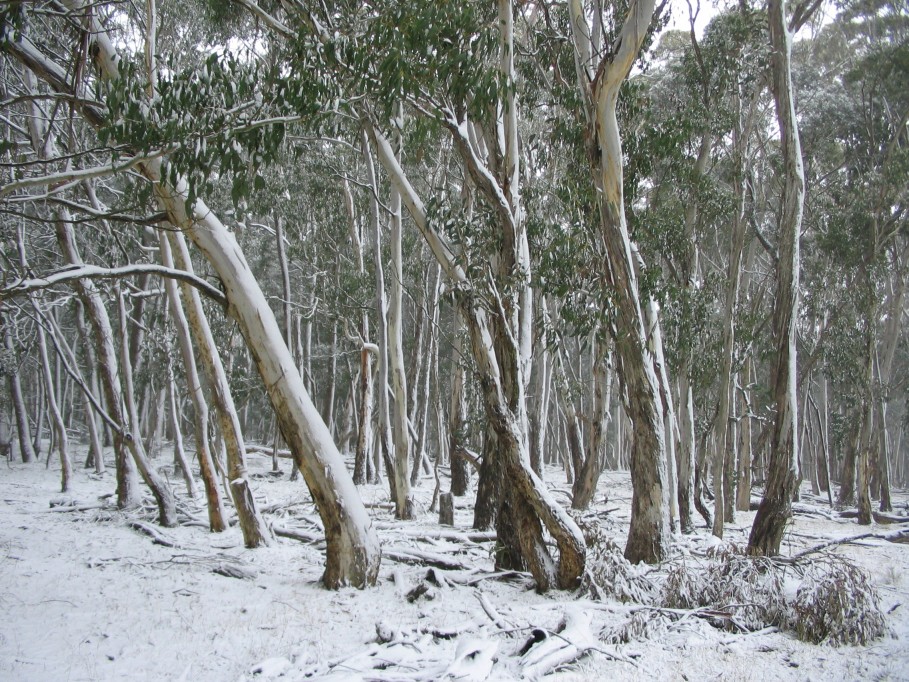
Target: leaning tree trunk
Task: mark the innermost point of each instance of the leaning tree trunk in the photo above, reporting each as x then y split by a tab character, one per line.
404	505
776	505
60	438
164	497
503	358
386	442
352	548
128	495
255	532
216	516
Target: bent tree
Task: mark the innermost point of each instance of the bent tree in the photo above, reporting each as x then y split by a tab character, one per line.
353	552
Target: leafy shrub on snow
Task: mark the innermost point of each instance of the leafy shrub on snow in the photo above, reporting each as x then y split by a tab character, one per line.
746	593
610	574
837	604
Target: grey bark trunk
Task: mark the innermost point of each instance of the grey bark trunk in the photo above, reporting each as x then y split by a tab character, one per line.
776	506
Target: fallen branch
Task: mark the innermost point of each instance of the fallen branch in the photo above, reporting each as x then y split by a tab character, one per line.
493	614
899	536
297	534
468	537
568	644
264	450
157	536
420	558
879	517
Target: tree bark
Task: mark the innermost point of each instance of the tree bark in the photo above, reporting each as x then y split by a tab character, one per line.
404	505
60	438
255	532
26	450
457	415
216	516
167	510
776	506
648	535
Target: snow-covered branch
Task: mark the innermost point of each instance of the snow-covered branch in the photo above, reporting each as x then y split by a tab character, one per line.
26	286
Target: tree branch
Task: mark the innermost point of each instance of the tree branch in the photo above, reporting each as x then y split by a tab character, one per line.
25	286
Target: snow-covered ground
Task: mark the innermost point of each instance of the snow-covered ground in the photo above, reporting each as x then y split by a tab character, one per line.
85	596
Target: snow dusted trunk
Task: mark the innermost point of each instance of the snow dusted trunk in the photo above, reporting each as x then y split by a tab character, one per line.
167	510
404	506
776	506
386	441
353	552
687	458
216	515
127	483
602	404
743	491
599	85
26	450
501	340
255	532
60	438
884	370
362	456
173	414
457	414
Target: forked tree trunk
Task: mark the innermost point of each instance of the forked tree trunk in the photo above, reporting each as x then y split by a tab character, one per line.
776	506
599	85
255	532
216	515
60	438
167	510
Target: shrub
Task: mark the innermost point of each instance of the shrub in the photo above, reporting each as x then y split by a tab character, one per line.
745	592
610	574
837	604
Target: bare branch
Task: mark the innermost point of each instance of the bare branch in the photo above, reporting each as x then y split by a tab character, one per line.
26	286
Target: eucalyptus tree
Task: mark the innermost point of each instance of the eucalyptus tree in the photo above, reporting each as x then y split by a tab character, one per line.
467	85
453	66
604	56
353	553
855	79
776	504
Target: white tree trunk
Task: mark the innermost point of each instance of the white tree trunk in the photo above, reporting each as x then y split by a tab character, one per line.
216	516
404	508
649	533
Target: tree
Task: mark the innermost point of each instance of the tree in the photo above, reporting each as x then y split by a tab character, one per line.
776	504
600	80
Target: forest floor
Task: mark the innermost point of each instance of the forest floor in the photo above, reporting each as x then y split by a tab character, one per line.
85	596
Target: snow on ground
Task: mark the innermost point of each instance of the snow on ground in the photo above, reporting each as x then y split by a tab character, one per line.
84	596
